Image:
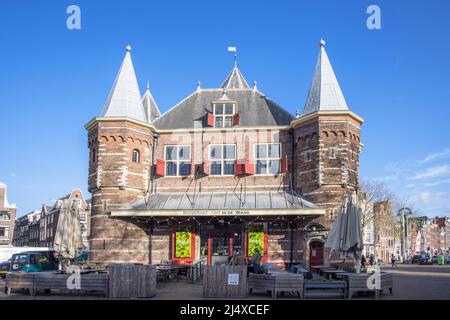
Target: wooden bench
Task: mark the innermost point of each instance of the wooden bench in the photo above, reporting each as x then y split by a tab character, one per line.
357	282
277	282
324	289
47	281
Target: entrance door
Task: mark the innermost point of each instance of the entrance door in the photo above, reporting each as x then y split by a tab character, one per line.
218	243
315	253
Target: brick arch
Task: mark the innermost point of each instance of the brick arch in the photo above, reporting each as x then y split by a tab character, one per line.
146	144
334	133
130	139
137	140
122	138
343	133
113	138
325	134
104	138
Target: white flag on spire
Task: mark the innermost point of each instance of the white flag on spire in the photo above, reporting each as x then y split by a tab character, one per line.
232	49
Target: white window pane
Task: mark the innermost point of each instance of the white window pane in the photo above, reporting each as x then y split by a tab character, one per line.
228	168
261	167
274	150
216	168
218	122
229	151
228	122
171	153
171	169
261	151
218	109
215	152
274	166
184	153
228	108
185	168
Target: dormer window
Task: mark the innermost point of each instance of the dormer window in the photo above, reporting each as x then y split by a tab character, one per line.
224	114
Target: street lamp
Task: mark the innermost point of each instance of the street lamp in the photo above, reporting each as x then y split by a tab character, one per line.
404	213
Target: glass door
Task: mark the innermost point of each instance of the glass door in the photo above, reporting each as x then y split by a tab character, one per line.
220	248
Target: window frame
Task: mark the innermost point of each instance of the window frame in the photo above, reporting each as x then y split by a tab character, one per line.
267	158
177	161
224	115
305	157
222	160
333	153
136	156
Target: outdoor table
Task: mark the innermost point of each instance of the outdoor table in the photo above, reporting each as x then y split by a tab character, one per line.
316	268
275	282
331	273
323	269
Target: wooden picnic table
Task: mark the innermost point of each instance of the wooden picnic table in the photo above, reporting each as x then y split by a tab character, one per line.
277	282
332	273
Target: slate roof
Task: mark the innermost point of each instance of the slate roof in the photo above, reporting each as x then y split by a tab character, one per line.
325	93
151	108
235	80
221	200
254	107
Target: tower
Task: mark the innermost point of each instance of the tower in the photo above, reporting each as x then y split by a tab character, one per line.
327	143
120	152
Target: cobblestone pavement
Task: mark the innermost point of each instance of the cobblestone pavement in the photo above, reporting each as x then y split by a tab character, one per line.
410	282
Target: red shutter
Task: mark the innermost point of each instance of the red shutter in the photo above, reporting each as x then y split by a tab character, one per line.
210	120
206	167
284	164
236	119
160	167
249	167
239	169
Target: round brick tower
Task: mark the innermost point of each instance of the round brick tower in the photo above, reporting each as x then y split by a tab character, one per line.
120	144
327	143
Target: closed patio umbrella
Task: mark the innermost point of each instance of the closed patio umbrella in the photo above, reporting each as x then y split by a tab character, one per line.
345	235
68	241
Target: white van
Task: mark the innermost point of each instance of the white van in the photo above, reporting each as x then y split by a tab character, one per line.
6	252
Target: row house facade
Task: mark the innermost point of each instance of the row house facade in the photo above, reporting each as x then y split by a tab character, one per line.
384	230
429	235
37	229
225	170
22	233
7	217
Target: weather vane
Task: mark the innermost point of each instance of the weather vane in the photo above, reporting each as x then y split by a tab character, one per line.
233	49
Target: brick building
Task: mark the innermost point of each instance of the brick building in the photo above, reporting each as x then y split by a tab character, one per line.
7	217
226	169
22	228
37	228
384	230
431	235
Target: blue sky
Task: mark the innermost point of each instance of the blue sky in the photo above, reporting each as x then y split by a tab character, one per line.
54	80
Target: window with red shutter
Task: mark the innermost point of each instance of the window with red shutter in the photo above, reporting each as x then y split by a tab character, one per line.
284	164
249	167
210	120
206	167
239	169
236	119
160	167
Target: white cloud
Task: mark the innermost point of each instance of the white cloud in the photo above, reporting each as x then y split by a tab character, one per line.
432	172
437	183
438	155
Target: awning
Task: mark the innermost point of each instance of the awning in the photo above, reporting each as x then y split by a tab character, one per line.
311	212
255	203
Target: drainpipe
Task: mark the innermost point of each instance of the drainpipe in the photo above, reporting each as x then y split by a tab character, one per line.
291	230
155	137
291	133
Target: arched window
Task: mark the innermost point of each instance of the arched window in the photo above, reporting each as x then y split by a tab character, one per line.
136	156
94	155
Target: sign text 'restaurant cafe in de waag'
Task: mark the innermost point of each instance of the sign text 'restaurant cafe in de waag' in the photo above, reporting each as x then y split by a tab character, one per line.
227	169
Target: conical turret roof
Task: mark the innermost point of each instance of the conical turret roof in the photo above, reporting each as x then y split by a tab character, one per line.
125	100
325	93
